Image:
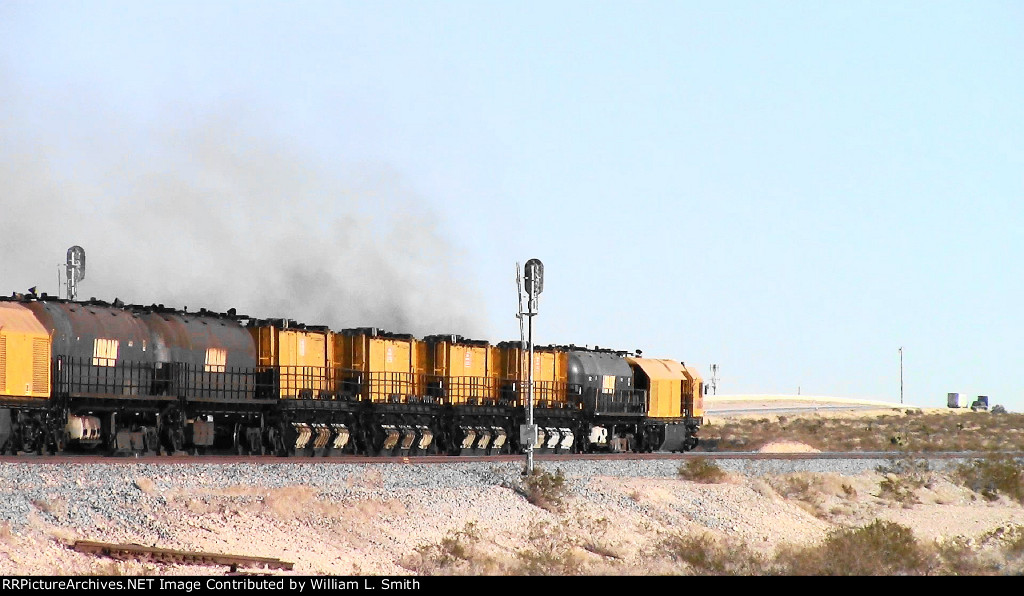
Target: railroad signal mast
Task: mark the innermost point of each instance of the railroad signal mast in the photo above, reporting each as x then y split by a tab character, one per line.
530	284
75	269
714	379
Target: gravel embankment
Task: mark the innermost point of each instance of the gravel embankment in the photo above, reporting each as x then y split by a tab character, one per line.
82	491
378	518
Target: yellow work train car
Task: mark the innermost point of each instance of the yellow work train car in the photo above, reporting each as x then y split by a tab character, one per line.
296	357
24	354
693	394
674	389
460	371
379	366
550	374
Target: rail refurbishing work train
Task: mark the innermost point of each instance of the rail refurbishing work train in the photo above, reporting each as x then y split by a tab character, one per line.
129	379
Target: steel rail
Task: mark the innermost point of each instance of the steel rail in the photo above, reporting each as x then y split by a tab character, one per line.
446	459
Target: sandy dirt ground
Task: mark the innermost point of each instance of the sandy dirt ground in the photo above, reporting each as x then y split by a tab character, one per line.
612	525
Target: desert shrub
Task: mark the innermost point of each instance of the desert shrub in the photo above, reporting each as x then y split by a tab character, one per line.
707	554
543	489
903	477
595	537
879	548
894	488
457	545
795	485
957	556
1015	545
701	470
816	494
457	552
551	552
1010	538
548	562
993	476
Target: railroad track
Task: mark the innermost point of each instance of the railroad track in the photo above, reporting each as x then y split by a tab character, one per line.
166	555
447	459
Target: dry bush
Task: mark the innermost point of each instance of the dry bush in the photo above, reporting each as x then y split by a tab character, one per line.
706	554
551	552
702	470
814	493
993	476
543	489
551	549
594	537
958	556
879	548
1010	538
903	477
764	488
459	552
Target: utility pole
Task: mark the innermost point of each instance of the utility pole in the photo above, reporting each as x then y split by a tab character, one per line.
901	374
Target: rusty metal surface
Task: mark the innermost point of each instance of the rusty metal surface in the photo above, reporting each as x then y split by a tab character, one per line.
186	339
76	326
102	349
166	555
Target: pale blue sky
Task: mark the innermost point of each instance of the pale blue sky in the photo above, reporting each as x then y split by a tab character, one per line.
792	190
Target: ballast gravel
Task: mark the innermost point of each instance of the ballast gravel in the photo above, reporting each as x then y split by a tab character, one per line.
374	518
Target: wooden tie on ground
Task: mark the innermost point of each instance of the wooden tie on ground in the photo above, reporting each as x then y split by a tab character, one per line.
165	555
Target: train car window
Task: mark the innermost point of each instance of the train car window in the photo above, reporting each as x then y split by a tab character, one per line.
104	352
216	359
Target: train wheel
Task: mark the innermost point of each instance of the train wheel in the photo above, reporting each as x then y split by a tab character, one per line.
177	441
31	436
280	444
236	438
60	441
